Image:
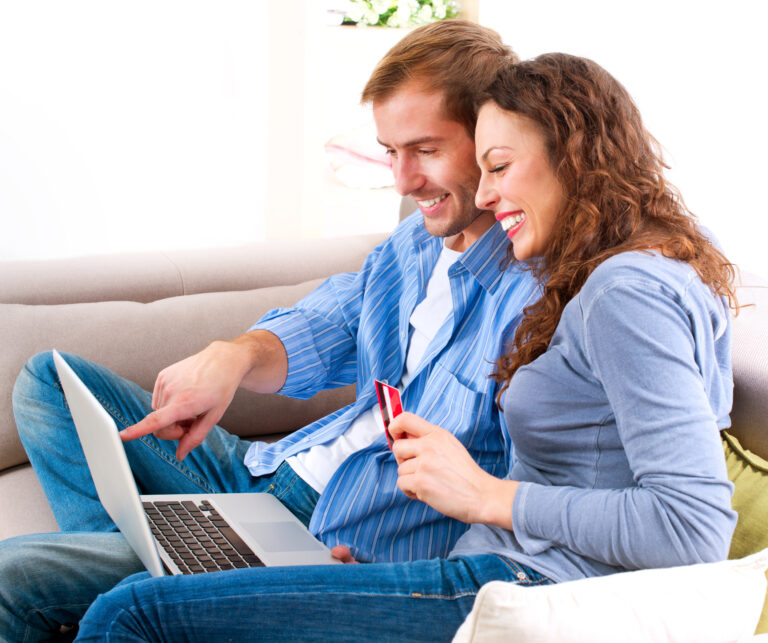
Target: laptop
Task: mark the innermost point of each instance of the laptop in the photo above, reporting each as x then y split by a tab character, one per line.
184	533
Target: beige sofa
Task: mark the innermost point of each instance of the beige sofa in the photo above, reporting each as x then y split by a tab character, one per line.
138	313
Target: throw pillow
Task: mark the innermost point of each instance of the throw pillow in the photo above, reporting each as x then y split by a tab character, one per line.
749	474
710	602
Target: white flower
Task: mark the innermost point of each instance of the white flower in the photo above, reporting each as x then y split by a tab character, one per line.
424	14
355	10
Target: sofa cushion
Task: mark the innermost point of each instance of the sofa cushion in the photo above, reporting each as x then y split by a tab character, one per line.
715	602
137	340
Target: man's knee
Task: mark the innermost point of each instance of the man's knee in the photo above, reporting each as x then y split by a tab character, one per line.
32	392
23	570
38	372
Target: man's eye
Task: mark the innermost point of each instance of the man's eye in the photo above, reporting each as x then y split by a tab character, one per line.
390	152
427	152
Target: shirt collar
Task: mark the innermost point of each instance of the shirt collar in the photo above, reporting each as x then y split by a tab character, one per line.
486	257
483	259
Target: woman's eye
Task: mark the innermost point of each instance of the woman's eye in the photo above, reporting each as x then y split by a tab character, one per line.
498	168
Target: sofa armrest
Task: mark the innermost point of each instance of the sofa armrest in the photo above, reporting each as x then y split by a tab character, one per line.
749	417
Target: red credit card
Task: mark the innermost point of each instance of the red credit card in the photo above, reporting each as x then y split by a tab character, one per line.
390	405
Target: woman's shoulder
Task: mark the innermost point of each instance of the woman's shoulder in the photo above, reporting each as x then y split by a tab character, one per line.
640	269
633	283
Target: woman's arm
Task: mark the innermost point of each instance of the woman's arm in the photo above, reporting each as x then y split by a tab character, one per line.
653	356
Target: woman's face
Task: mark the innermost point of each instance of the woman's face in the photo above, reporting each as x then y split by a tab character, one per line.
517	182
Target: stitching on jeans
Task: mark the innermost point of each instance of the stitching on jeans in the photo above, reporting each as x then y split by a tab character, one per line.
284	492
448	597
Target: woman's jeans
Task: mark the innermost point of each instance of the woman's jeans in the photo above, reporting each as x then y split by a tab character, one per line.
415	601
49	580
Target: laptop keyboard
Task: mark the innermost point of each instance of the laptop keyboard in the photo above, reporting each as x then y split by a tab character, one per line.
197	538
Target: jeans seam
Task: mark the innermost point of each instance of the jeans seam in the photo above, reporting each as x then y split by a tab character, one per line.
190	475
445	597
285	490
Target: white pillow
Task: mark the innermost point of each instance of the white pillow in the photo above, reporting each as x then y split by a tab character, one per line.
712	602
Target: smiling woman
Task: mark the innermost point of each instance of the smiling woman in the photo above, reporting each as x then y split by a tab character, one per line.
518	181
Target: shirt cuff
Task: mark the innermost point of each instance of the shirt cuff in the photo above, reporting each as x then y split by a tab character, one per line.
306	372
523	511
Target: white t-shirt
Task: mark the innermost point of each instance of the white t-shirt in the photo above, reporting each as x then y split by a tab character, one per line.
316	465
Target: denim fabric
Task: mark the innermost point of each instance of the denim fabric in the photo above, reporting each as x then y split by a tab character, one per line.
77	566
416	601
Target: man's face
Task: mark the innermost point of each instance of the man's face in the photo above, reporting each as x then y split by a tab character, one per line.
433	160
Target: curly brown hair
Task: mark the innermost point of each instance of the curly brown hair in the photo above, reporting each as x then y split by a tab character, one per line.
617	199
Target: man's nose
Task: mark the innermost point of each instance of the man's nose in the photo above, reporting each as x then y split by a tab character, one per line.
408	176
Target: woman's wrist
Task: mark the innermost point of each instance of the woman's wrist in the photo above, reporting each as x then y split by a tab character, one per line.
500	497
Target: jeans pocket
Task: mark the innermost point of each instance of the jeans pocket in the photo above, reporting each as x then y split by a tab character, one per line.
524	575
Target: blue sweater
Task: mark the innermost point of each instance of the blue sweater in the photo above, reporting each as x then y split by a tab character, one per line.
616	429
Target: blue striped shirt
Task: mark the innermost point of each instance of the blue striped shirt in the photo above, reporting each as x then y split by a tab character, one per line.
355	328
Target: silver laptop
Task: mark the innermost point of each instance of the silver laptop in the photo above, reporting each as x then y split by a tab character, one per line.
184	533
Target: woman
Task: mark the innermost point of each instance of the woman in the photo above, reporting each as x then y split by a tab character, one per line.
615	390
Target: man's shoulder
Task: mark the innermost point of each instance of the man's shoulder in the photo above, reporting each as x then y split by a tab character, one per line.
408	234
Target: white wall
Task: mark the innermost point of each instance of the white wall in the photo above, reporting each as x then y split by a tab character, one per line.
697	70
148	124
131	125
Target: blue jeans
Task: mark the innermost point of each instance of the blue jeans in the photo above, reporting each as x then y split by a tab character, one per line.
414	601
76	565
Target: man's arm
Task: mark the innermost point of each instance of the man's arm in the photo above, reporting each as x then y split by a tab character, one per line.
190	397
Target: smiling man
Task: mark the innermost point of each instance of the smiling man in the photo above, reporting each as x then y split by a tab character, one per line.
430	311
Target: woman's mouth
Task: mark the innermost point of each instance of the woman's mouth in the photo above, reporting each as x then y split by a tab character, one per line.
511	222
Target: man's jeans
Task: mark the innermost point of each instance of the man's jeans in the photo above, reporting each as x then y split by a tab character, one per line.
415	601
48	580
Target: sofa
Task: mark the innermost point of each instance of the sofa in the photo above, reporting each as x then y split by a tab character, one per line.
137	313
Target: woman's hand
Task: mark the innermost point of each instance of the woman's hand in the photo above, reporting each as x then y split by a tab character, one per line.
436	468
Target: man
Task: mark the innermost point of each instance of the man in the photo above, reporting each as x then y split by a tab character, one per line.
430	310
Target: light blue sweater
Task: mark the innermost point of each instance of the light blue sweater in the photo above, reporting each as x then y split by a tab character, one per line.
616	429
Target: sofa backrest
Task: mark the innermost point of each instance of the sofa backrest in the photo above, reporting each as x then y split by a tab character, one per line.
749	418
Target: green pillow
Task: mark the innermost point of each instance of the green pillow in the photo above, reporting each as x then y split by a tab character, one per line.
749	474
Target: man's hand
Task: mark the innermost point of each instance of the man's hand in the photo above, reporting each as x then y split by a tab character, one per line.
437	469
344	554
190	397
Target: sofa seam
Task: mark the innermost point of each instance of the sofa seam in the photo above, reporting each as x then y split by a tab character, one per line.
179	273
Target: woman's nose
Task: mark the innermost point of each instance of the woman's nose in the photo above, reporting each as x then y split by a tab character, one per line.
486	197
